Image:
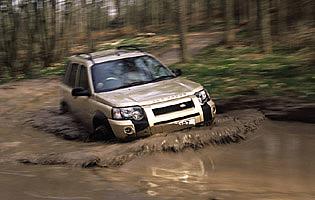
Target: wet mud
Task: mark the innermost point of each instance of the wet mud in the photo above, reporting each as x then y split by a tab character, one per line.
51	120
274	108
231	127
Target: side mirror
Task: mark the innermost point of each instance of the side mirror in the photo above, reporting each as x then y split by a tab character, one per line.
80	92
177	72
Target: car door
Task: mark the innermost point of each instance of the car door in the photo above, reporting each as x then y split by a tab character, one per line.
68	84
83	103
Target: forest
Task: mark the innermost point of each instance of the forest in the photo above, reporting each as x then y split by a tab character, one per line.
36	35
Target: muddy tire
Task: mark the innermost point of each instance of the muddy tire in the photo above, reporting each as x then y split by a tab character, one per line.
63	108
210	123
102	130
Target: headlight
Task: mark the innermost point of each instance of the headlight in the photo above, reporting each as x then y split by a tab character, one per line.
135	113
202	96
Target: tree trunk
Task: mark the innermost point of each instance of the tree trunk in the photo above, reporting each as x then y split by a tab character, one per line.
118	8
29	29
209	11
266	26
181	17
229	37
10	28
253	15
53	31
282	15
242	12
155	12
66	29
91	26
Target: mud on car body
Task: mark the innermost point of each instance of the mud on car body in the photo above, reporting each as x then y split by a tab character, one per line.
128	93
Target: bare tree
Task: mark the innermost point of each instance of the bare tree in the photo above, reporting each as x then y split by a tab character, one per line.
209	10
181	17
253	15
266	26
229	37
30	28
282	7
9	24
118	8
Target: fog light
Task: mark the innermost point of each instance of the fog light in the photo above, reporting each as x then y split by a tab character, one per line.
128	131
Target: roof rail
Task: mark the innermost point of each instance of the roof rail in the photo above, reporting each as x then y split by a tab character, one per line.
129	47
85	55
109	52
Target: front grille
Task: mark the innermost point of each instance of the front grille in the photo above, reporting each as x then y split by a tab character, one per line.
174	108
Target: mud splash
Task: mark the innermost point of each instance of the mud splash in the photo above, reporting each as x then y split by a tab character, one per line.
52	121
231	127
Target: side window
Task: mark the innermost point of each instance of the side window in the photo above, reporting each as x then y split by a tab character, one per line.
83	79
72	75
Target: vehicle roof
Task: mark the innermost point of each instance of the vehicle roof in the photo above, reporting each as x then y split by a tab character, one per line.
90	59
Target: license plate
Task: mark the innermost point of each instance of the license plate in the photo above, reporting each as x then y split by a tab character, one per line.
186	122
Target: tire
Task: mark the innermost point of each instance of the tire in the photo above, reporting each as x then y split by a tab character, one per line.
210	123
64	108
102	130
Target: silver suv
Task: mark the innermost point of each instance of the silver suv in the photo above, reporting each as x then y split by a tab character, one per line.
128	93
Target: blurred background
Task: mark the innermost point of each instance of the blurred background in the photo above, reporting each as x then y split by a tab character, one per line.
230	46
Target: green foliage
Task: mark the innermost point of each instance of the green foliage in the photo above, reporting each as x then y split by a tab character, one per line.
49	71
230	72
36	72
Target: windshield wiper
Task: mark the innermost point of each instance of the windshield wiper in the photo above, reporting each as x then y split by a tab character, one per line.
163	78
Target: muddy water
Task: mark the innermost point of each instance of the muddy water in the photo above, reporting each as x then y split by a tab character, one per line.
277	163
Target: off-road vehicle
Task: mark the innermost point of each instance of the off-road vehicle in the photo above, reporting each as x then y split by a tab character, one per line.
128	93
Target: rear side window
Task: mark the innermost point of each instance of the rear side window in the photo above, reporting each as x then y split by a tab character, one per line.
83	80
72	75
67	71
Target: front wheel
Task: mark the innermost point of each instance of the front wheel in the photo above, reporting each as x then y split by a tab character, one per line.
210	123
102	131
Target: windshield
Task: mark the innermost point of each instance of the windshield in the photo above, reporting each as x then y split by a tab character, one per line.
128	72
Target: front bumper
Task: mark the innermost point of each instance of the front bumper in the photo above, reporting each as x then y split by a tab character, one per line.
151	124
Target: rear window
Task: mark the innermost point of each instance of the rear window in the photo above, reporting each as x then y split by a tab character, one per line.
67	71
72	75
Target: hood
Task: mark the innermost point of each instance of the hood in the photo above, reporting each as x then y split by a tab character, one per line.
149	93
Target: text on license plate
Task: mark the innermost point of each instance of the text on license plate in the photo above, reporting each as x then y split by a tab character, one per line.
185	122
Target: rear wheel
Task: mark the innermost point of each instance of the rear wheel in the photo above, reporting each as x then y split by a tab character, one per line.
63	108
